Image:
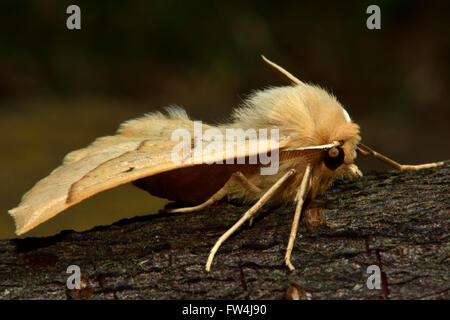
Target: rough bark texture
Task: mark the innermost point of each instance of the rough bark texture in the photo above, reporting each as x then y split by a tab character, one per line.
397	221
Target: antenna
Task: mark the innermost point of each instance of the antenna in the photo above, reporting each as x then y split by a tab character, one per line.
286	73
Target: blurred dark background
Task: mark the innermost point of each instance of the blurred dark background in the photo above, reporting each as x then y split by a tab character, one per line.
60	89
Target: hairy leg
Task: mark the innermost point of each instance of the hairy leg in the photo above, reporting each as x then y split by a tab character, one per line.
300	198
248	215
237	177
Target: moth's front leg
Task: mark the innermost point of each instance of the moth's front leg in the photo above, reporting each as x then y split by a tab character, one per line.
348	171
300	198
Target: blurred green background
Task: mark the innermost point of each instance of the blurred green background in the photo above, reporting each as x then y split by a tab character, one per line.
61	89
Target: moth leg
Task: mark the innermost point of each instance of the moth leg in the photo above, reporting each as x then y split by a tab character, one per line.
300	198
248	185
366	151
219	195
245	182
247	215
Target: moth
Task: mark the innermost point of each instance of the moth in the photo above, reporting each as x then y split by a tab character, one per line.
317	142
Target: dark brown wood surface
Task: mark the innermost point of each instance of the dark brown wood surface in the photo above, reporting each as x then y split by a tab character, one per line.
396	220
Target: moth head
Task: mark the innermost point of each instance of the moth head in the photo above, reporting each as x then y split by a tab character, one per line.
307	117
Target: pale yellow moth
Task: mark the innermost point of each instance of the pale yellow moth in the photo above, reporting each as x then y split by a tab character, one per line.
317	143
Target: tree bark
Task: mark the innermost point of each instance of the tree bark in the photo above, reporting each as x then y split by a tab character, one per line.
397	221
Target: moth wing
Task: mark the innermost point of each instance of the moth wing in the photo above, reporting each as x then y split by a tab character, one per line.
48	196
141	148
140	163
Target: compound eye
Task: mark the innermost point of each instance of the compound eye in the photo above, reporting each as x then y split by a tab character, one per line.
334	157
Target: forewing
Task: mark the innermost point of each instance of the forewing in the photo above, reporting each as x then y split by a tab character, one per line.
48	196
150	159
108	163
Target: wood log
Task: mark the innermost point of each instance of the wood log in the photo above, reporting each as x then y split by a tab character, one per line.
397	221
